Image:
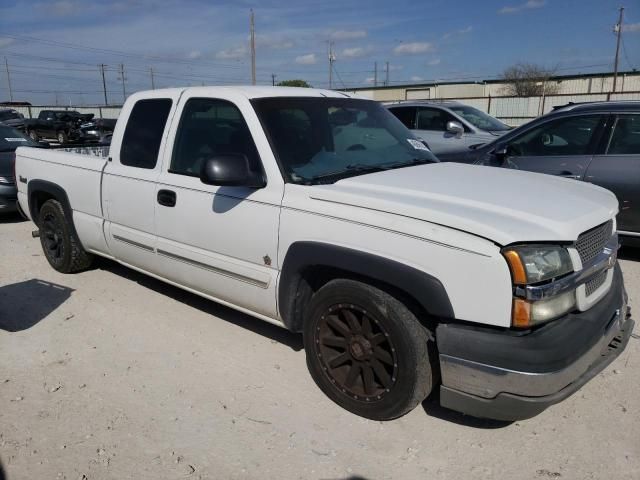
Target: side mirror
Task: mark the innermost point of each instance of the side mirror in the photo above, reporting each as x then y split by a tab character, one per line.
230	170
456	128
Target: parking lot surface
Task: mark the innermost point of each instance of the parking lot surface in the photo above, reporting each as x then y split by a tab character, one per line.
109	374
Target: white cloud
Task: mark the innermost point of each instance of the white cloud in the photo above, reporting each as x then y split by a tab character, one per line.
455	33
369	80
308	59
347	34
529	5
194	54
5	42
233	53
355	52
413	48
632	27
416	78
275	42
435	61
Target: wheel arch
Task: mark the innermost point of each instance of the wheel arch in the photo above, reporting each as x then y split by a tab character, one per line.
39	191
309	265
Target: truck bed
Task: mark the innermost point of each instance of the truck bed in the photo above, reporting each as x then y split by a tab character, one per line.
78	171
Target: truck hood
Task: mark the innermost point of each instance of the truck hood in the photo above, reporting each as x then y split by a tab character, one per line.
502	205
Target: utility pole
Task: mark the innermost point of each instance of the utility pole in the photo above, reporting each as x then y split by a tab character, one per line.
122	77
273	79
332	58
375	74
153	83
618	30
253	48
6	64
104	83
386	82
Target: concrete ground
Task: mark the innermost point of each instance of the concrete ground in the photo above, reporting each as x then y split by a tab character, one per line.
108	374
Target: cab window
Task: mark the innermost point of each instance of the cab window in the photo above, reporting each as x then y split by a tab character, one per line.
433	119
143	134
211	127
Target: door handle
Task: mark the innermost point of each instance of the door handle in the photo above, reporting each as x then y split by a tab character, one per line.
167	198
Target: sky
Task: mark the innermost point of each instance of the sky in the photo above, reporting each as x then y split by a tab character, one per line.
53	48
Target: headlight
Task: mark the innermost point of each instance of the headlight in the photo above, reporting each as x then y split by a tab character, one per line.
537	263
530	264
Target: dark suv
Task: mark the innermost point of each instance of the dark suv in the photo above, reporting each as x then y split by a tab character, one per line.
592	142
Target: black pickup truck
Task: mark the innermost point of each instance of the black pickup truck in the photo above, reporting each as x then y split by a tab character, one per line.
60	125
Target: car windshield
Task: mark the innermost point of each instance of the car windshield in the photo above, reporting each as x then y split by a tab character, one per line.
322	140
10	139
8	115
479	119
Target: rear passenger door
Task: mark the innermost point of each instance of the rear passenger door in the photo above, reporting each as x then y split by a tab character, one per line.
129	181
563	146
617	168
219	241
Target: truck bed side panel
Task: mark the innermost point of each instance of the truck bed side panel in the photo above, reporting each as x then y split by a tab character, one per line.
79	176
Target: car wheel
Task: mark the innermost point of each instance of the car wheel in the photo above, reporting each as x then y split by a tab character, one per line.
366	350
62	137
59	241
33	135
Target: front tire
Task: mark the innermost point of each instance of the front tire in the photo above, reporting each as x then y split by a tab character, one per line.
62	137
59	241
366	350
33	135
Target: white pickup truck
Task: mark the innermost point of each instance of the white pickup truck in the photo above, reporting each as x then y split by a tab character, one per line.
320	212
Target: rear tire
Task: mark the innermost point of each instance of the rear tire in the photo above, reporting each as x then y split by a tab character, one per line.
366	350
59	241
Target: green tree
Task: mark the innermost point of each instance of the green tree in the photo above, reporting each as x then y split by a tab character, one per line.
293	83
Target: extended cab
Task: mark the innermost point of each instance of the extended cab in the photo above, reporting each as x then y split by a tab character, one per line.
322	213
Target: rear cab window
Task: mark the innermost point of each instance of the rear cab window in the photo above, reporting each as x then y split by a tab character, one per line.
143	133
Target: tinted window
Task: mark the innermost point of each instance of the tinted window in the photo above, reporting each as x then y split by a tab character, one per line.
143	134
210	127
433	119
320	140
479	119
407	115
10	139
564	136
8	115
626	136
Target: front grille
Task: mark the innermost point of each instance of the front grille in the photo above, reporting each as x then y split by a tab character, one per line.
595	283
591	243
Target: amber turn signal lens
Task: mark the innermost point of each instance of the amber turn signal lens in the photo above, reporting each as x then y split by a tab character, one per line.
516	266
521	317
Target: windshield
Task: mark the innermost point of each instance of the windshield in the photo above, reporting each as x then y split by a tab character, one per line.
321	140
8	115
479	119
10	139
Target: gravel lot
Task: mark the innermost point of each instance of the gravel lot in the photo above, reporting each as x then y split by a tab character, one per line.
108	374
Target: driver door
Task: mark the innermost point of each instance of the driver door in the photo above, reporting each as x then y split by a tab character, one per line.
562	147
219	241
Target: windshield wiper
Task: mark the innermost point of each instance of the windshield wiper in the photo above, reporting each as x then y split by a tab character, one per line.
411	163
349	171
